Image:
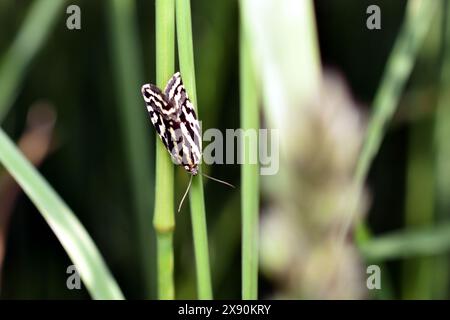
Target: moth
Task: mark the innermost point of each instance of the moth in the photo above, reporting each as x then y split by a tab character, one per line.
174	118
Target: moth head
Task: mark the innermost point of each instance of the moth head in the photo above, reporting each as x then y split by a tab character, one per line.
191	169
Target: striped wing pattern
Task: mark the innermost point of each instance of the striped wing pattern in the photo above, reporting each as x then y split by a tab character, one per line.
175	121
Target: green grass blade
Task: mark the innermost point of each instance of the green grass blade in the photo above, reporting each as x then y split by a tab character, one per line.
197	203
72	235
442	127
269	50
134	120
442	123
163	219
419	208
442	153
418	19
404	244
419	16
36	27
249	175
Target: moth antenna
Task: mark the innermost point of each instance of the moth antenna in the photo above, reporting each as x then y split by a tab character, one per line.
218	180
185	194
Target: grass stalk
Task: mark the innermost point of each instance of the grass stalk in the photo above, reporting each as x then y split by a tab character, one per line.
408	243
196	195
419	208
35	29
418	19
249	175
419	16
133	118
67	228
163	219
442	127
442	153
265	24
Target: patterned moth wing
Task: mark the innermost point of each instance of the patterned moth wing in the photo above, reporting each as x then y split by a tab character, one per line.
175	121
156	102
190	128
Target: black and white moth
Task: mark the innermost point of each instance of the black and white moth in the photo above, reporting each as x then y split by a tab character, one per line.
175	121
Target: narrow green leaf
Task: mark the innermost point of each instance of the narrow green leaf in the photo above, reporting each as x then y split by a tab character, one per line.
249	175
197	202
163	219
38	23
419	16
72	235
409	243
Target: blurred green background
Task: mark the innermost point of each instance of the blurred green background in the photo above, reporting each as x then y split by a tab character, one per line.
77	73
